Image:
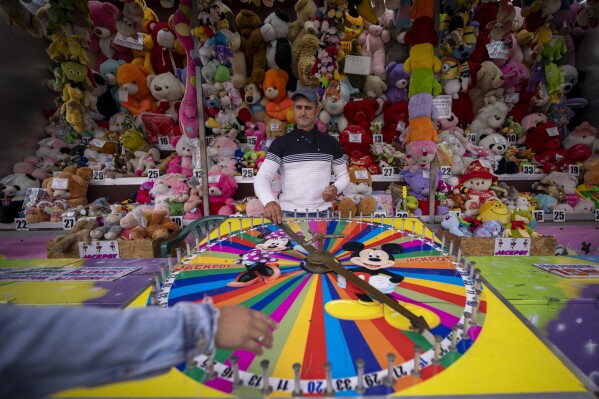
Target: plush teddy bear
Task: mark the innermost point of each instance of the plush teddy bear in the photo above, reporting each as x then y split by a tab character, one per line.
398	80
13	188
564	181
252	100
304	23
497	146
248	25
278	105
157	225
488	88
583	134
128	22
103	33
373	39
477	181
257	130
358	194
221	190
222	148
335	97
361	112
457	145
419	182
544	140
142	156
355	141
71	187
133	80
186	149
111	229
168	92
489	119
395	118
303	50
193	205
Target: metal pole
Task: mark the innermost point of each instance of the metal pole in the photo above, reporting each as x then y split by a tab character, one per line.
203	155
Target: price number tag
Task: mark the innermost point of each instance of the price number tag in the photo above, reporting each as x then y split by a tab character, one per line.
98	175
252	140
402	214
21	224
573	170
471	137
380	214
197	173
210	139
498	50
528	169
596	215
85	141
377	138
559	216
164	143
539	215
153	174
387	171
446	171
247	173
178	220
511	138
68	223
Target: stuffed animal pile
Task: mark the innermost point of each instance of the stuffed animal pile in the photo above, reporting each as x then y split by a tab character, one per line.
128	101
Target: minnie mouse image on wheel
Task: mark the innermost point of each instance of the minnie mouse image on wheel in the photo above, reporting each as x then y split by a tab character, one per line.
373	263
260	264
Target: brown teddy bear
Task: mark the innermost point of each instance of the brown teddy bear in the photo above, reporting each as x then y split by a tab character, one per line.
158	226
248	25
357	194
303	50
71	187
79	232
591	174
488	88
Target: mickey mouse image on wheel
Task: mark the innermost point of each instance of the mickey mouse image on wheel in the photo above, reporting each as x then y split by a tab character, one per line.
373	263
260	264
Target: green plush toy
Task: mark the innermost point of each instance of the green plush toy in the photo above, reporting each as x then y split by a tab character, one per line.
555	80
423	81
519	227
133	140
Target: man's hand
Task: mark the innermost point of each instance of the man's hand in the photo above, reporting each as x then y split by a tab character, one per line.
330	193
272	211
243	328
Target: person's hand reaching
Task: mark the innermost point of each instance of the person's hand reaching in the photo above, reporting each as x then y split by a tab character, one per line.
243	328
330	193
272	211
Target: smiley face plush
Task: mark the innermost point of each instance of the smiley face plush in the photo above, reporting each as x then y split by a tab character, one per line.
494	210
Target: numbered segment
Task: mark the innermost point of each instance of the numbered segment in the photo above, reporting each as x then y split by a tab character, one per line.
446	171
21	224
197	173
252	140
98	175
247	173
528	169
596	215
153	174
377	138
387	171
164	142
471	137
559	215
178	220
85	141
511	138
539	215
574	170
380	214
402	214
68	223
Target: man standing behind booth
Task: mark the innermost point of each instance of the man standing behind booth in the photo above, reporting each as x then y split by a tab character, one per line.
305	158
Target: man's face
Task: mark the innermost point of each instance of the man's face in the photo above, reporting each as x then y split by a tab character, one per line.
306	113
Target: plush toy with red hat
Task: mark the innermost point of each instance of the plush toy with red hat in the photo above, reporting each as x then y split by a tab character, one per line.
476	183
544	140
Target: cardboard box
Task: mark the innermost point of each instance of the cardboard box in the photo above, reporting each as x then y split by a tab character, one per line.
485	246
145	248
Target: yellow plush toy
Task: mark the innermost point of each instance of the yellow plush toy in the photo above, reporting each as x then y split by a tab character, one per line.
142	57
422	56
495	210
421	129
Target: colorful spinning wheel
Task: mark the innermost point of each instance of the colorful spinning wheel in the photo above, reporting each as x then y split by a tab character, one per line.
323	318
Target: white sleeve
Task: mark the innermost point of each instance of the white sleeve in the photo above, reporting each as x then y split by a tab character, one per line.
262	180
341	177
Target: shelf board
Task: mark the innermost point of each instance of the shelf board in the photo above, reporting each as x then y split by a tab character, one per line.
521	176
119	181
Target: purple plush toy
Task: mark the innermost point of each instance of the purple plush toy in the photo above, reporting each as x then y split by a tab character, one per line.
419	183
398	81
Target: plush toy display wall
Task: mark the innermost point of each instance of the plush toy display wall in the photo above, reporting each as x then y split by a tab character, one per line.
127	101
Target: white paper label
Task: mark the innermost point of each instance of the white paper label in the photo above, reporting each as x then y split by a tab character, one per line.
443	105
498	50
402	214
213	179
164	143
552	132
60	184
21	224
357	65
197	173
355	137
511	138
99	250
98	143
401	126
178	220
361	174
559	216
247	173
123	96
380	214
426	174
274	126
539	215
98	175
471	137
377	138
387	171
153	174
252	140
573	170
136	43
512	247
528	169
446	171
68	223
512	98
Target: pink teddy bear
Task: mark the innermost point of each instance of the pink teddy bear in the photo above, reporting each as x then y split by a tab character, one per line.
221	188
373	39
183	162
257	130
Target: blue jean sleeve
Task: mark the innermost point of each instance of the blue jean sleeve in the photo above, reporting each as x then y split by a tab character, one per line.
48	349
